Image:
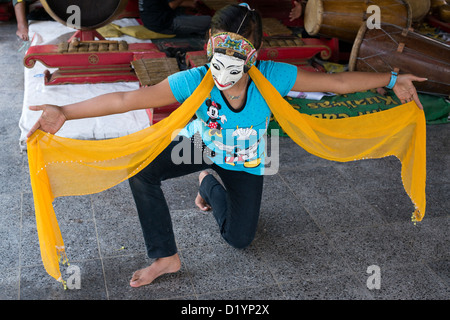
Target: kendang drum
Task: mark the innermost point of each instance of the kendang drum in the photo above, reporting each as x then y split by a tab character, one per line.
342	18
419	9
392	48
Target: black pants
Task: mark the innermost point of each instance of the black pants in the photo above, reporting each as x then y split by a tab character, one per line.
235	205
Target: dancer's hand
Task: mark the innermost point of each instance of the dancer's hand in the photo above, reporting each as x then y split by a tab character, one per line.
404	88
51	119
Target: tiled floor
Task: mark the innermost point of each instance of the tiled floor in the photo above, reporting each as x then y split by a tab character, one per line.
322	225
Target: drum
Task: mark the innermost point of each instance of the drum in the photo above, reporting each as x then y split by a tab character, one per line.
94	14
419	9
393	48
342	18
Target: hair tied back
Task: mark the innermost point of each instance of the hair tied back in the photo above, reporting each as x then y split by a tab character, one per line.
243	4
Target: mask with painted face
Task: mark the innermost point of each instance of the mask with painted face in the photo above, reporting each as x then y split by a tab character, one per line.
226	70
231	55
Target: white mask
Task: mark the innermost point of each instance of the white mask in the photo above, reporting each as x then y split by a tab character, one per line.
226	70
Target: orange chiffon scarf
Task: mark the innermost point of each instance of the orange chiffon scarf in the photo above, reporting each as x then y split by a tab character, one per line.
67	167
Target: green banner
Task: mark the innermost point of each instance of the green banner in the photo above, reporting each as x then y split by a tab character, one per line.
436	108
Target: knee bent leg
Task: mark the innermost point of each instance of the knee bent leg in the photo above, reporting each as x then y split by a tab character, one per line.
240	242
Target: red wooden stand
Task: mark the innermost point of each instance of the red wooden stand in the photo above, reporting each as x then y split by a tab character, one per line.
327	49
88	67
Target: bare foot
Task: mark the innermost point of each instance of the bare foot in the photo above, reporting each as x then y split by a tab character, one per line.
22	32
159	267
199	201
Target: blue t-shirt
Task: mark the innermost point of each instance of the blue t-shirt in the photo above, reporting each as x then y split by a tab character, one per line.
235	137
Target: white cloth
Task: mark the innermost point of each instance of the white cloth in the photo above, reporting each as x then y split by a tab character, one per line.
309	95
36	93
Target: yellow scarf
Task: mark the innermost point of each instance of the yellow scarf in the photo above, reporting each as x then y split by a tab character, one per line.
66	167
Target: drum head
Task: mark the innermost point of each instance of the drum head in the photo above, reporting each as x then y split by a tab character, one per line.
93	14
313	16
419	8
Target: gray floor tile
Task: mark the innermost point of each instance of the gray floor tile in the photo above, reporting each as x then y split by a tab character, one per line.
438	199
9	247
410	282
442	269
180	192
384	246
429	238
9	283
343	287
372	174
119	236
221	268
36	284
315	181
282	213
272	292
193	228
303	257
393	204
340	211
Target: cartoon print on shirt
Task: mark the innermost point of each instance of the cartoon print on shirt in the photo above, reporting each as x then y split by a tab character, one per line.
213	113
244	133
235	155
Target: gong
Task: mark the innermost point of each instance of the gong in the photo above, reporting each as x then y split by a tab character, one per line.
93	14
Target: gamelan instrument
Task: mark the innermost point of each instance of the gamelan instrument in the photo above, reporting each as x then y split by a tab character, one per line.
87	57
150	71
439	16
393	48
419	9
297	51
290	49
343	18
279	44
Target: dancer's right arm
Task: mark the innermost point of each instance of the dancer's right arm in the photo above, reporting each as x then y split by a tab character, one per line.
53	117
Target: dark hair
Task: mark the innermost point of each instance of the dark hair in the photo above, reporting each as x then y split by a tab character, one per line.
229	19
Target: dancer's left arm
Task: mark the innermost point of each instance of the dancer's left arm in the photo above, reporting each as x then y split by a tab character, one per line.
349	82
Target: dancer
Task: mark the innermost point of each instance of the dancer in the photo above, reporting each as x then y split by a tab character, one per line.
227	136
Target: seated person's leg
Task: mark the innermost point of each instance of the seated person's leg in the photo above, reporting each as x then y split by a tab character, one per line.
191	25
22	22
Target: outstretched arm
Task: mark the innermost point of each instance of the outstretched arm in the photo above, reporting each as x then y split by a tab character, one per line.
349	82
53	117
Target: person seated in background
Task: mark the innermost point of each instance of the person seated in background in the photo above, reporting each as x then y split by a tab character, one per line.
296	11
168	17
24	11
